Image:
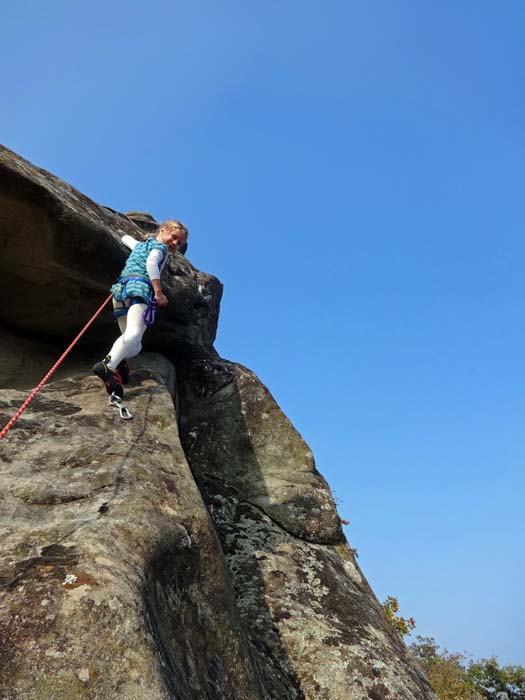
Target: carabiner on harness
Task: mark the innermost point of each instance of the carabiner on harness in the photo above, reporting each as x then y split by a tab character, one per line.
116	401
149	314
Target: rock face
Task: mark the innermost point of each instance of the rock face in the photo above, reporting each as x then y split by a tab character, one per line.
113	580
194	552
61	251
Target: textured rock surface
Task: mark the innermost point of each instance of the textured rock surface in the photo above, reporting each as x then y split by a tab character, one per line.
314	625
236	434
112	578
25	359
137	565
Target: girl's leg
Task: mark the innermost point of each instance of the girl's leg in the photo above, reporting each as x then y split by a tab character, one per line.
121	316
121	320
130	342
122	323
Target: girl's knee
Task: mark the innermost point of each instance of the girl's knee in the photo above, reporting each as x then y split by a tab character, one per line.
133	343
132	337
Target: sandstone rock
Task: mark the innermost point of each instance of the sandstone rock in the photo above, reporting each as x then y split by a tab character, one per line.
233	428
144	219
112	578
314	625
137	565
24	360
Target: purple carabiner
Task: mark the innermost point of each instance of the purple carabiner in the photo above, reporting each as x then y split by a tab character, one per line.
149	313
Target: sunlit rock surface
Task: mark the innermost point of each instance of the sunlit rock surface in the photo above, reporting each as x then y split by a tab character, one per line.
135	564
113	580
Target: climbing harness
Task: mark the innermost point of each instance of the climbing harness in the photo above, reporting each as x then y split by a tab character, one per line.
52	370
116	401
120	289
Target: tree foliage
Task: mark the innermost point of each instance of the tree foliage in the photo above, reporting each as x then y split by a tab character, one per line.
455	677
446	672
403	625
497	682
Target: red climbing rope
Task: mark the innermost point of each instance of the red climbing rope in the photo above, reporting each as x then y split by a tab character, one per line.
52	370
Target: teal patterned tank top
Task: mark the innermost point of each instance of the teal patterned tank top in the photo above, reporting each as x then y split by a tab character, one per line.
136	267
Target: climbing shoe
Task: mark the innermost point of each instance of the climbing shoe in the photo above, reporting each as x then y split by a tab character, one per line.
110	378
123	371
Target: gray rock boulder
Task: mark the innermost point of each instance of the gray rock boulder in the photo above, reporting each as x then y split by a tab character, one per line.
113	582
194	552
314	625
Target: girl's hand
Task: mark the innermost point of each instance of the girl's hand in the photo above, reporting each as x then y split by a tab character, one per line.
161	299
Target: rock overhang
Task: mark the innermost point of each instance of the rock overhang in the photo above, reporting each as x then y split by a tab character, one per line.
60	253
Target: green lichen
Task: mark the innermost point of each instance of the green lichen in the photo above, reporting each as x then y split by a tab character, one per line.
63	687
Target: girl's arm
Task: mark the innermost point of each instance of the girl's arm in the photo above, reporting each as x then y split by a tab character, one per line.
129	241
154	264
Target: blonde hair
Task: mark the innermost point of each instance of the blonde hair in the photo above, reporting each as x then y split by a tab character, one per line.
172	224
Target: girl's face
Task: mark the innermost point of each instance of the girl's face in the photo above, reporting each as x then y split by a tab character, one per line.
172	237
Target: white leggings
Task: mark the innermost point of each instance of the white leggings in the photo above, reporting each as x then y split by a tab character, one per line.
132	327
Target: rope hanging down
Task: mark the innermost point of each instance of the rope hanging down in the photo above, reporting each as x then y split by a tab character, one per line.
52	370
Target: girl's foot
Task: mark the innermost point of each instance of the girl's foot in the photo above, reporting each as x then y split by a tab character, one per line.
110	378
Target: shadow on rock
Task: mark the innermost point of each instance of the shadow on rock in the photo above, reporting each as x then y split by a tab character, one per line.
195	627
315	628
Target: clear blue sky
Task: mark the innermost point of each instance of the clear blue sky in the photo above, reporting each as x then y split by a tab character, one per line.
353	171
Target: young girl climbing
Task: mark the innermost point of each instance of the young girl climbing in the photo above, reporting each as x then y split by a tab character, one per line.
135	295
